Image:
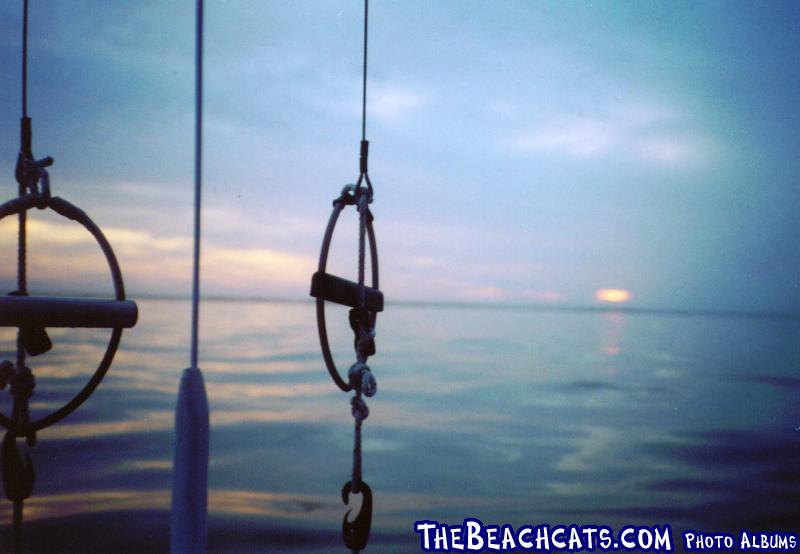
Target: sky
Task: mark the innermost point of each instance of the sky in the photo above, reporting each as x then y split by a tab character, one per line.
521	151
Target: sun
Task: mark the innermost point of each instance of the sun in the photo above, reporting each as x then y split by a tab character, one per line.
612	295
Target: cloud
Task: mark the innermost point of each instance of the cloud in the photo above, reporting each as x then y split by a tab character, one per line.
577	137
393	103
638	132
156	192
674	150
64	251
542	295
489	292
387	103
236	266
65	234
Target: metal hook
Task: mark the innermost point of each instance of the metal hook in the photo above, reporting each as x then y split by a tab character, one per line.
44	179
356	533
347	197
30	171
18	473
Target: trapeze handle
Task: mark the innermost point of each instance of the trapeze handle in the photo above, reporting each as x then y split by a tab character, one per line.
335	289
43	311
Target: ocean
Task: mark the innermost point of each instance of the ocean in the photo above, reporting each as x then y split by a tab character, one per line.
519	416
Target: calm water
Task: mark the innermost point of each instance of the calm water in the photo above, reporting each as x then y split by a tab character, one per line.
510	416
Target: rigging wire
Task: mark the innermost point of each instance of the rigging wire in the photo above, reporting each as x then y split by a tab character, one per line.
22	284
365	304
18	474
25	59
19	408
364	80
198	154
188	526
363	164
356	536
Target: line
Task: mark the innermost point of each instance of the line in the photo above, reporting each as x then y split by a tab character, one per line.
198	159
364	81
25	59
22	238
460	305
627	310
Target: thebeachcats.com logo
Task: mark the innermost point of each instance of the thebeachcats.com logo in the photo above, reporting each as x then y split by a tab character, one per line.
472	535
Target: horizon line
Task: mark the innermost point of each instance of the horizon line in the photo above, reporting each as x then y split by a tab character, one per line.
478	305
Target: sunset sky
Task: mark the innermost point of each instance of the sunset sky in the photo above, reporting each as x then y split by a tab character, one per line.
521	151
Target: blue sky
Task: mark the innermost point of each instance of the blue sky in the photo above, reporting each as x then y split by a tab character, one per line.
520	151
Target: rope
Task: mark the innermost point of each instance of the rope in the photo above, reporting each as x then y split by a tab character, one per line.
17	470
22	379
360	413
198	158
360	377
362	232
17	475
19	483
359	407
20	408
363	198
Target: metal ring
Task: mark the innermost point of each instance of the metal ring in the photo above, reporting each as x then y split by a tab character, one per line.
323	261
65	209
